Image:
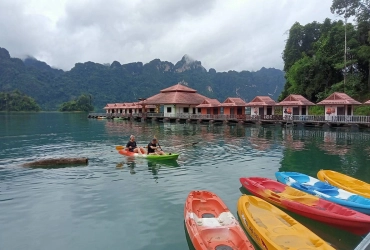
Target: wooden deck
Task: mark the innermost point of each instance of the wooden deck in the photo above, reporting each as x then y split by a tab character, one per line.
295	120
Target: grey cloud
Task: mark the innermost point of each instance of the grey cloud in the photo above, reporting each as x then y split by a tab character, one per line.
225	35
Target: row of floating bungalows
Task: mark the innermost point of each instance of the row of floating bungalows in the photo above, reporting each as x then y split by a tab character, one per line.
182	102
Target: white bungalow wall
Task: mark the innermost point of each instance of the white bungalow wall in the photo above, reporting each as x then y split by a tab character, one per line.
291	109
334	111
255	110
178	109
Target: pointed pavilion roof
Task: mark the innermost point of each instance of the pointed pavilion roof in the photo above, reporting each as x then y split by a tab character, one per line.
233	102
339	98
295	100
177	94
114	106
261	101
209	103
367	102
178	88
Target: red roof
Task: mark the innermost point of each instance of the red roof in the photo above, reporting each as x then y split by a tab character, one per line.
178	88
209	103
234	102
114	106
367	102
261	101
295	100
177	94
339	98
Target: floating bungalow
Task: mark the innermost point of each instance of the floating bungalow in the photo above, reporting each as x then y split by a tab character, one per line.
209	107
338	107
233	107
295	105
262	105
177	99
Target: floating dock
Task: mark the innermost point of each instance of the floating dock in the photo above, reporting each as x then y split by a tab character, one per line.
353	122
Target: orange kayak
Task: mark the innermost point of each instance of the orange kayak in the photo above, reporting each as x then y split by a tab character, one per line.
211	225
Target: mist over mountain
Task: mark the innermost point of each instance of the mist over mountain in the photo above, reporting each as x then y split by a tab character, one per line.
115	82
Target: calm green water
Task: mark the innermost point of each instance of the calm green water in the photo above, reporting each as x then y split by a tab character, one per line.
121	203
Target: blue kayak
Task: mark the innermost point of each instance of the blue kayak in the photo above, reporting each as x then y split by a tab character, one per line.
324	190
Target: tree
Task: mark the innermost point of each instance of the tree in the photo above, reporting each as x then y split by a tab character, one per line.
17	101
82	103
360	10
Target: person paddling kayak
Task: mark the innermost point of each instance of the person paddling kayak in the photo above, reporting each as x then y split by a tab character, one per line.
132	147
153	149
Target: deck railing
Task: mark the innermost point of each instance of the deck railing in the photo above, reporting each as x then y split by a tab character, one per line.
294	118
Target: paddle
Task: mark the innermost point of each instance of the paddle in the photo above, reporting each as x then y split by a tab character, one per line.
119	147
158	143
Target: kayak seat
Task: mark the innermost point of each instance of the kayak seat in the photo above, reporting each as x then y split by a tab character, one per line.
223	247
359	199
208	215
324	186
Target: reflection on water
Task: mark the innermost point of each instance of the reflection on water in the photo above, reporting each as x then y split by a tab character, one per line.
120	201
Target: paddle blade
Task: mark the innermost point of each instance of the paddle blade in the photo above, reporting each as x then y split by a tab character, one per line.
119	147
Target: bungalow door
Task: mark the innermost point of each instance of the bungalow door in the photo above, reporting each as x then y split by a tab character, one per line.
239	111
215	111
232	111
340	111
269	110
261	111
295	110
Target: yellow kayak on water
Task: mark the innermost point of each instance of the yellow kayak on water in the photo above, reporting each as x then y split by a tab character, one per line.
345	182
271	228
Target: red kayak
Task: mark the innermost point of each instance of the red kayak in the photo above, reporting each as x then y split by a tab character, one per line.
307	205
211	225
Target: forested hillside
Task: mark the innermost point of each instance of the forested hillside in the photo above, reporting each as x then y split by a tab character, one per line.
128	82
321	58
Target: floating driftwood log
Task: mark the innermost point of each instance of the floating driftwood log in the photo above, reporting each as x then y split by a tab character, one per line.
57	162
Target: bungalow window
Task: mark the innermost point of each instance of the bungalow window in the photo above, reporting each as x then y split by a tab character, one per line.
199	110
186	110
169	110
208	111
222	110
151	110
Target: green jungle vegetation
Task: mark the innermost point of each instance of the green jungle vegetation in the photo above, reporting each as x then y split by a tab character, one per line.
82	103
17	101
112	83
316	63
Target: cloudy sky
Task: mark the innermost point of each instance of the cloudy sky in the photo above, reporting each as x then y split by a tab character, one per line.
222	34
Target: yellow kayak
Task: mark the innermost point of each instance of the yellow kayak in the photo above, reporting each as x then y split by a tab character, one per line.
271	228
345	182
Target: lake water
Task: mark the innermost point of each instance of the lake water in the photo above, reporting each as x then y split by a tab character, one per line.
120	203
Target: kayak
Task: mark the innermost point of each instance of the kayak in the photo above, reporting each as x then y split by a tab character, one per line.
271	228
211	225
345	182
307	205
167	156
324	190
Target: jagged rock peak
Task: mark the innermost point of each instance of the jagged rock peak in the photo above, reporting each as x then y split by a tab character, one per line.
4	53
188	63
